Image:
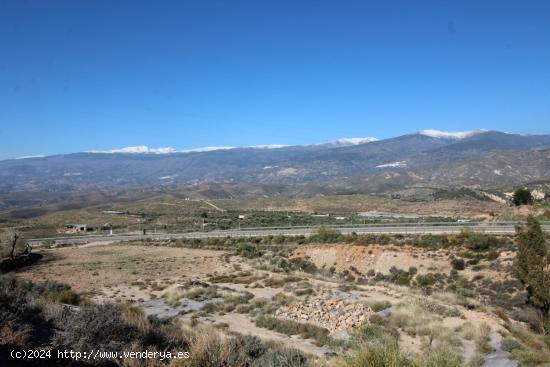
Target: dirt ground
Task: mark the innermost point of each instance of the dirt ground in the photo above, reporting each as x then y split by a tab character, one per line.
142	274
377	258
96	269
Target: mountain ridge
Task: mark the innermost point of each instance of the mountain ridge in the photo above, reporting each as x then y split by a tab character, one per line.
441	159
145	149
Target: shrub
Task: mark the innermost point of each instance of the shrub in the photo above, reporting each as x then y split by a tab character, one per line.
478	242
304	292
378	306
65	296
502	314
303	265
426	280
21	317
202	292
173	294
441	357
243	308
248	250
509	344
213	307
458	264
282	358
453	275
282	299
492	255
12	334
250	345
209	350
378	354
529	316
95	327
288	327
276	282
111	327
325	235
281	263
399	276
376	330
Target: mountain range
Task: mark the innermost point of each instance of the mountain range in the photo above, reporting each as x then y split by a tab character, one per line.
427	158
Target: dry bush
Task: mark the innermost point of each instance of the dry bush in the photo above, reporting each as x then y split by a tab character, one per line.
95	327
307	331
534	351
135	316
282	357
440	357
210	349
112	327
440	336
12	334
478	334
377	305
207	350
379	354
138	362
529	316
468	331
413	319
173	294
201	293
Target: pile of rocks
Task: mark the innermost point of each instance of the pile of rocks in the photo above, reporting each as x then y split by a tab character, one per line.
332	314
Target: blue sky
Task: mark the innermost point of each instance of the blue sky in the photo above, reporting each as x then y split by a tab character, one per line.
83	75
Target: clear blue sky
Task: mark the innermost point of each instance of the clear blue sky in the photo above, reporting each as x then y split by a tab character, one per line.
82	75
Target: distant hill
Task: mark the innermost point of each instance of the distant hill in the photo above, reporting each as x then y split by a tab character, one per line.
429	157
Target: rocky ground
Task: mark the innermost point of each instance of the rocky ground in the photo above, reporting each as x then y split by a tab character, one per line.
332	314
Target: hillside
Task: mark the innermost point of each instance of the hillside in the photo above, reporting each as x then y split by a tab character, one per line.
486	158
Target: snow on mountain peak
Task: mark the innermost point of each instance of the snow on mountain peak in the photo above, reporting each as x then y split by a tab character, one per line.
144	149
139	149
268	146
30	156
450	134
342	142
351	141
204	149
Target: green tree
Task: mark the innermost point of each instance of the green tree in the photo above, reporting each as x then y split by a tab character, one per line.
522	197
531	266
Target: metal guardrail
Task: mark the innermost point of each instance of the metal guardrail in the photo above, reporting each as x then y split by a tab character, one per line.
403	224
296	231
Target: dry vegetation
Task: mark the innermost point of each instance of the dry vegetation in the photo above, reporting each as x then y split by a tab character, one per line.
431	300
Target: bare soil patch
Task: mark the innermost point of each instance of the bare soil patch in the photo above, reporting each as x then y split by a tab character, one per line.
378	258
124	268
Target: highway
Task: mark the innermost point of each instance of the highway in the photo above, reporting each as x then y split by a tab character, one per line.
424	228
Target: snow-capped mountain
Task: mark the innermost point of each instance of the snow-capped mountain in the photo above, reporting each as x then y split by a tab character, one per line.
451	134
342	142
144	149
430	157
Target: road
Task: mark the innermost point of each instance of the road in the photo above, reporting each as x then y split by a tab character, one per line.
305	231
